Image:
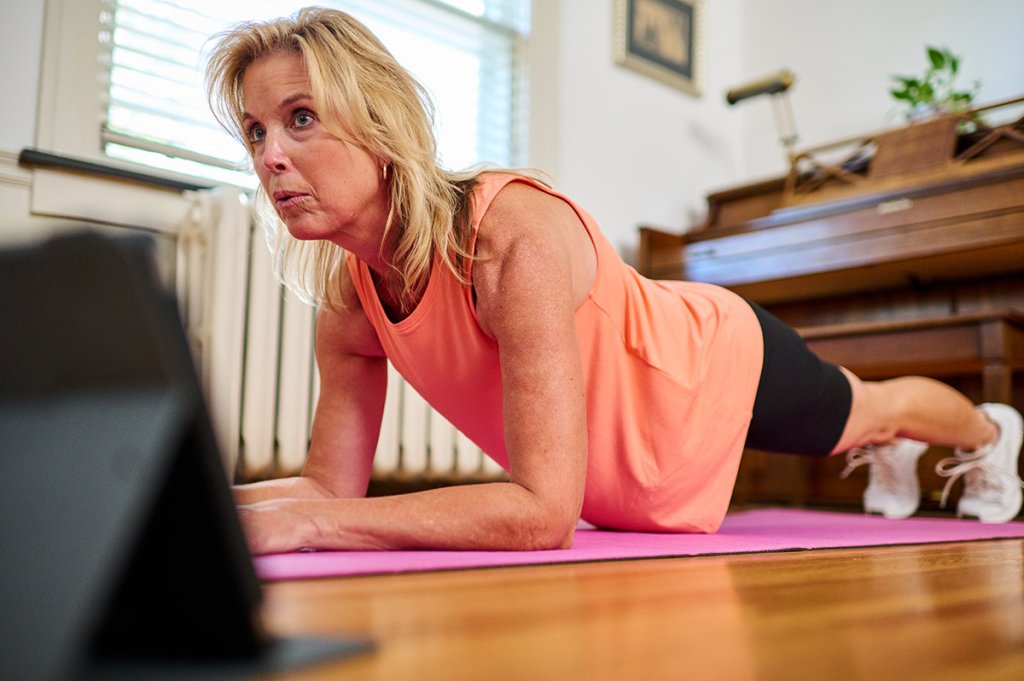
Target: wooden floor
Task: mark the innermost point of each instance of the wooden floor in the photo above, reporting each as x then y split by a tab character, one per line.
944	611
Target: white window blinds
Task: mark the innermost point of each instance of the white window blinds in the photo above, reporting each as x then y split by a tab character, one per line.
468	53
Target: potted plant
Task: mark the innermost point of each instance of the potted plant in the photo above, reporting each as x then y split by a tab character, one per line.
934	92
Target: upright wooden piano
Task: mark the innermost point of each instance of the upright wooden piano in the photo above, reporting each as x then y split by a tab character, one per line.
894	253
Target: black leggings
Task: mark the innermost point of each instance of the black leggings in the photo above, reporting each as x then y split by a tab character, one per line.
802	403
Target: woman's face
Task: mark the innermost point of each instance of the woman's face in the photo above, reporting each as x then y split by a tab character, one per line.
321	186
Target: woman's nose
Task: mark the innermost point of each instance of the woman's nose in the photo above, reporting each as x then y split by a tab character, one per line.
274	156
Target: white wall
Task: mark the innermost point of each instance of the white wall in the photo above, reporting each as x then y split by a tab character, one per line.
843	54
21	36
21	40
632	150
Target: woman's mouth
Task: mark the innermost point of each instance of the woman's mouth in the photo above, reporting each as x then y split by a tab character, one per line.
288	199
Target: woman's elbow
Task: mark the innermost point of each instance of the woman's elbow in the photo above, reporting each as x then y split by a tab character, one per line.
547	533
568	538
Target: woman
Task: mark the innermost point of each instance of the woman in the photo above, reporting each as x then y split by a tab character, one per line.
603	394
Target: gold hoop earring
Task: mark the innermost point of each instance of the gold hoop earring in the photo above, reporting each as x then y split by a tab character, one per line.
384	172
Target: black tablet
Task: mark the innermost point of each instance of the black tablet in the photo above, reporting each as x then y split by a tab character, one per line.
122	555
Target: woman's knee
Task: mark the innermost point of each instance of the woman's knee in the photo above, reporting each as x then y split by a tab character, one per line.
874	413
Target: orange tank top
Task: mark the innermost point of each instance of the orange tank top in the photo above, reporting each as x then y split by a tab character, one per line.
671	371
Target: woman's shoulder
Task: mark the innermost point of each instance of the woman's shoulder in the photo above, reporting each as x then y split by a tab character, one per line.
489	185
539	231
522	206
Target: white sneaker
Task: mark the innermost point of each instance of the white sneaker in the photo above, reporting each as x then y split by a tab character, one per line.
992	484
893	489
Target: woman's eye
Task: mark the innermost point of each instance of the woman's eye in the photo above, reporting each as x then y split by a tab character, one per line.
254	134
303	118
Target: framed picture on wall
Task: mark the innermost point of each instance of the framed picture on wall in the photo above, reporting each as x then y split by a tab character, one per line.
662	39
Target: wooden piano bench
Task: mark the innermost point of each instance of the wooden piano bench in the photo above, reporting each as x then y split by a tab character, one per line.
985	344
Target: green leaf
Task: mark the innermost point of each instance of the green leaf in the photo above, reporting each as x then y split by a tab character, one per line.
935	86
907	81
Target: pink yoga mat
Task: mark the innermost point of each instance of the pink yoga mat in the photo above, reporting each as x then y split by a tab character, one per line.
744	532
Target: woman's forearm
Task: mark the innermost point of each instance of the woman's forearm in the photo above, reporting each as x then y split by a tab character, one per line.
493	516
283	488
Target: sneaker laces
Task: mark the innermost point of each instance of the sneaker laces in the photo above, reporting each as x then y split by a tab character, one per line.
982	474
857	457
882	472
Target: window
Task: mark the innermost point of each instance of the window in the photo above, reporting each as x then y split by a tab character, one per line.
468	53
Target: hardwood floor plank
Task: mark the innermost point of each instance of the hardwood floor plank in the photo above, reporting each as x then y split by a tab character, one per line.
943	611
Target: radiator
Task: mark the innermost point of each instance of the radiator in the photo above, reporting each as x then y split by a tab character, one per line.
253	344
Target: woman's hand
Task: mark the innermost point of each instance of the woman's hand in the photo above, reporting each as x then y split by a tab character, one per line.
277	525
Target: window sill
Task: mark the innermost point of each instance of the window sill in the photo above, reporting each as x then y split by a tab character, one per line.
42	159
67	187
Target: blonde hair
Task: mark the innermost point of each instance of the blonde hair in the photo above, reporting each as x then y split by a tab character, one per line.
354	80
